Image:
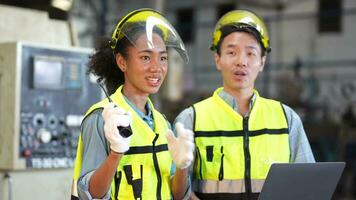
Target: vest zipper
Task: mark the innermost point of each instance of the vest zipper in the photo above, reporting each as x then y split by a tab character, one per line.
247	158
221	171
156	166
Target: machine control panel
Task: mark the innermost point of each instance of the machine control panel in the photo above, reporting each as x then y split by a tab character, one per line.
53	95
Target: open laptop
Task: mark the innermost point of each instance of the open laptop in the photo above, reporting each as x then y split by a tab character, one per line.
301	181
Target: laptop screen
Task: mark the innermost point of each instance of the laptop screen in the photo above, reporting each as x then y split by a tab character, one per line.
296	181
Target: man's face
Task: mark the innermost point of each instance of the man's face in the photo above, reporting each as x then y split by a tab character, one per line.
239	61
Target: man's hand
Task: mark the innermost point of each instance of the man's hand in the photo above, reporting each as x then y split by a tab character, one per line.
114	117
182	147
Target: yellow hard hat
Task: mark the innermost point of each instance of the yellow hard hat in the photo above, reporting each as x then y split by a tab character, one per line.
242	20
148	21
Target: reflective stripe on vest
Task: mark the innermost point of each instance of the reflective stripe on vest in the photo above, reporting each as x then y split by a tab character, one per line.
236	151
144	170
226	186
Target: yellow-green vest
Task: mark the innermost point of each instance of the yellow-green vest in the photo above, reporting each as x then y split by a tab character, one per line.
235	153
144	170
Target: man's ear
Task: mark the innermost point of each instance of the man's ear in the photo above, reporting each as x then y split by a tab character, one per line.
263	62
217	61
121	62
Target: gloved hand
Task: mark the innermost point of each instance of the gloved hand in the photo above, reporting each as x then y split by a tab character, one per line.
182	147
115	116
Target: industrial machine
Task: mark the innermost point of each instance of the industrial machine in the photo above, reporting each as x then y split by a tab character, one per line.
44	94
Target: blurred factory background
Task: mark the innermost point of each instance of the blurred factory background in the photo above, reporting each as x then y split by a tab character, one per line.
312	68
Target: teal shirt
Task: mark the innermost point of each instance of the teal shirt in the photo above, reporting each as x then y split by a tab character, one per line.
146	118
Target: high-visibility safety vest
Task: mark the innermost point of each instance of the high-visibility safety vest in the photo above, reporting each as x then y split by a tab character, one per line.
234	153
144	170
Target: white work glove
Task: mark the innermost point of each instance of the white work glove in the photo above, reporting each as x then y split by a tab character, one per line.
182	147
114	117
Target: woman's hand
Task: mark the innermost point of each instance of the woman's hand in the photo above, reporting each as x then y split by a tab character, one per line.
182	147
115	117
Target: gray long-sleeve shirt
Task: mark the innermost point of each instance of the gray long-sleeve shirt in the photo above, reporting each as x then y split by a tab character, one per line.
299	145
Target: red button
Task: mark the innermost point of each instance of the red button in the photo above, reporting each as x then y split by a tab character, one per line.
27	153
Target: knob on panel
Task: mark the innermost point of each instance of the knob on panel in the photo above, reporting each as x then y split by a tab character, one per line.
39	120
44	135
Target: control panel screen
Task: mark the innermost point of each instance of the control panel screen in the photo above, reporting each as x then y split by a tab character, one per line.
47	73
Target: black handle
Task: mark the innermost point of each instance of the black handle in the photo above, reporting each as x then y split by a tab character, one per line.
125	131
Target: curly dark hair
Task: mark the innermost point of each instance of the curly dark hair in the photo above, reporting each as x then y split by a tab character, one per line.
103	64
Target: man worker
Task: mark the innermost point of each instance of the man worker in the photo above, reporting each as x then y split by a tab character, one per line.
239	134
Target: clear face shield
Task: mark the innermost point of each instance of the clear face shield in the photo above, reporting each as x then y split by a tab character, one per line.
149	23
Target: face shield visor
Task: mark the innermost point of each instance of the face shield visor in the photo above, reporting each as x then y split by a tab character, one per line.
149	23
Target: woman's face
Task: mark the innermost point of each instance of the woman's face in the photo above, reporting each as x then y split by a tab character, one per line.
145	68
